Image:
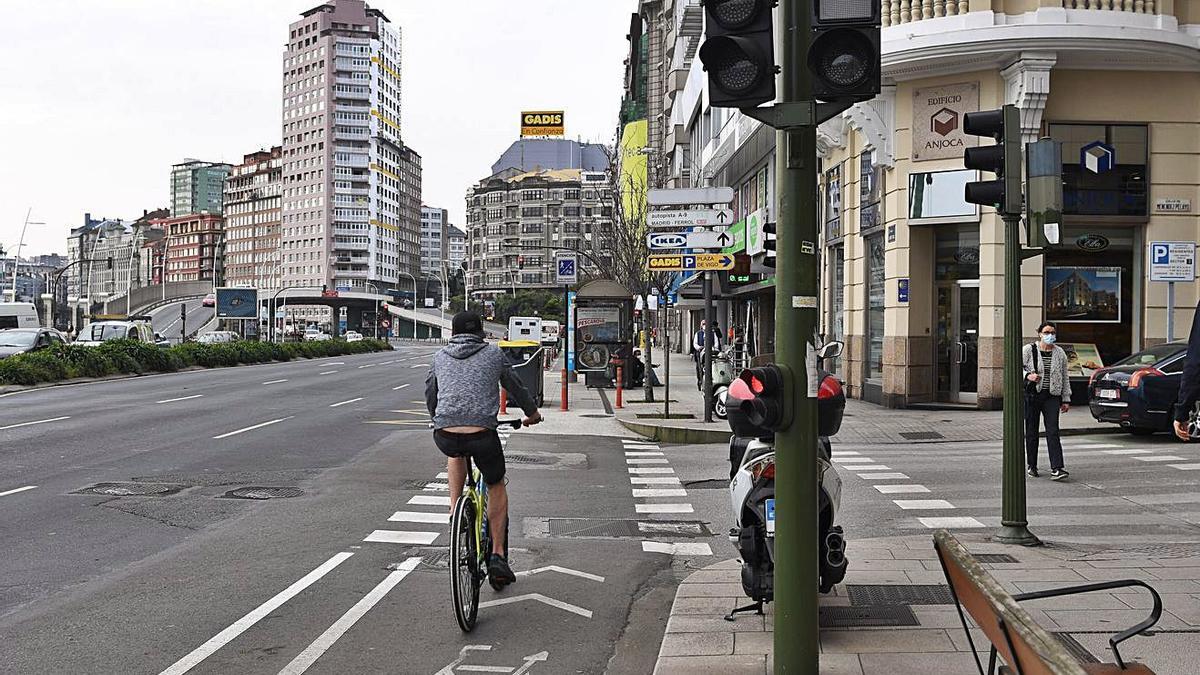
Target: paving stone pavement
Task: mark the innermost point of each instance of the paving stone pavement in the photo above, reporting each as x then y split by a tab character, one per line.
699	640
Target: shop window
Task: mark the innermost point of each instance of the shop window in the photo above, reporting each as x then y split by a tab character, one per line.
938	197
875	307
1104	169
836	327
833	203
870	194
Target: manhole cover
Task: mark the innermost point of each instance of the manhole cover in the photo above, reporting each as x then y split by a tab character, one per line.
264	493
615	527
876	595
132	489
519	458
420	484
1077	650
921	435
432	559
994	558
707	484
856	617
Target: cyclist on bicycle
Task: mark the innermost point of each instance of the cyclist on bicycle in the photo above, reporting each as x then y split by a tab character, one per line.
463	400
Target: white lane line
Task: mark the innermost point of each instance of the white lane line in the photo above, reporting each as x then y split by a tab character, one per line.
28	424
369	365
561	570
1185	467
918	504
654	480
385	363
900	489
328	372
1090	446
418	365
953	522
402	537
664	508
676	548
418	517
252	428
865	467
399	388
651	469
16	490
181	398
437	487
659	492
331	635
634	453
353	400
429	500
274	382
884	476
1127	451
566	606
845	453
1161	458
645	460
852	460
334	363
254	616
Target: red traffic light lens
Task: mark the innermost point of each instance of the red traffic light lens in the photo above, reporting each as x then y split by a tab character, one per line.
757	385
734	14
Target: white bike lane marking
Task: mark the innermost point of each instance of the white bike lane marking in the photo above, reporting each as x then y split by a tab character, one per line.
16	490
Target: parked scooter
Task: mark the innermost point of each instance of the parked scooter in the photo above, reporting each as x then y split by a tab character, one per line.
722	376
752	489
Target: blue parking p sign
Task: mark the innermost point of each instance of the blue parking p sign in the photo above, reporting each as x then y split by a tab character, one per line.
566	270
1173	261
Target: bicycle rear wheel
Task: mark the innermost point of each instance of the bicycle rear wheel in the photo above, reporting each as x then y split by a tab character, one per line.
464	564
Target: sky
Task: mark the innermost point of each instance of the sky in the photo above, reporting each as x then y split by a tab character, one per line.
98	98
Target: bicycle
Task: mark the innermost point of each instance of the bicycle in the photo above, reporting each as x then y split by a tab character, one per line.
470	544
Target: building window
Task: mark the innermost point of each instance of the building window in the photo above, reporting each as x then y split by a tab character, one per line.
833	203
876	282
938	197
532	195
1104	169
870	193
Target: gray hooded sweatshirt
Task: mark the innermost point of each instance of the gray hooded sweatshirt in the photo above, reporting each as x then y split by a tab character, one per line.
461	391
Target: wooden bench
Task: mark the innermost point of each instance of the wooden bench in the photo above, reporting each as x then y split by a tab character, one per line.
1021	643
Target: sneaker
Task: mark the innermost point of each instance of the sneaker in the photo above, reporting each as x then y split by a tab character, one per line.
1032	471
499	573
1059	474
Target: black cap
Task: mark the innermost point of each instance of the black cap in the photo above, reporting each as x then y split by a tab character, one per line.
466	323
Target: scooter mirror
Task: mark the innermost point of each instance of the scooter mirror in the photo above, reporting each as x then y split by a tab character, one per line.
831	350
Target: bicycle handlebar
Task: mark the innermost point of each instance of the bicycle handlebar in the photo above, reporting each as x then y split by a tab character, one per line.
515	424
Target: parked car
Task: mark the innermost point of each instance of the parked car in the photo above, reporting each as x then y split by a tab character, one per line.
1139	392
314	334
353	336
18	315
209	300
98	332
22	340
218	337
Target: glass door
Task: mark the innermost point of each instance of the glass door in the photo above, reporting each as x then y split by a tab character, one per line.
958	341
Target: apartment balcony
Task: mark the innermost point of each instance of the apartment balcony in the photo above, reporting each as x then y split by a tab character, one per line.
346	92
354	161
928	37
353	134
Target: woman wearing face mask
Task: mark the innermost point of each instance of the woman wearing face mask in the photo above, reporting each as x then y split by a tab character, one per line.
1046	387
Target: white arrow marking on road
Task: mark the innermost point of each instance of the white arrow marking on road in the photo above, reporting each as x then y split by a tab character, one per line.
538	597
561	570
27	424
353	400
256	426
181	398
319	646
399	388
274	382
238	627
15	491
530	660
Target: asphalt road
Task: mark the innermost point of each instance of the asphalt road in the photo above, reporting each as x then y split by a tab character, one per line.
351	575
166	320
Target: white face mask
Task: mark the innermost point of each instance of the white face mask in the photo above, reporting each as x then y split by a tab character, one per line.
1049	339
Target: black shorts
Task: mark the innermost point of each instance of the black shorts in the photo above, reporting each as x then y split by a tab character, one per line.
481	446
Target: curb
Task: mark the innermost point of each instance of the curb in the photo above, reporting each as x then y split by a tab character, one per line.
683	435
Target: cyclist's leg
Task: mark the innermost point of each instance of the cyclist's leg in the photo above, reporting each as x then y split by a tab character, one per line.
489	457
498	515
456	472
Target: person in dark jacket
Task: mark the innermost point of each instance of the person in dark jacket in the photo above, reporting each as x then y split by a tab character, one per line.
463	399
1189	381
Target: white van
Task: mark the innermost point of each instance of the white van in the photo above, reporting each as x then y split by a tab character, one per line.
550	331
18	315
525	328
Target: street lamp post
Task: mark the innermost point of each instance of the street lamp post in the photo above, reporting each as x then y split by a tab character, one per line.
414	283
371	285
17	252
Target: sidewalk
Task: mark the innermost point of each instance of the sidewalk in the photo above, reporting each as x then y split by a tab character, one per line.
864	422
698	640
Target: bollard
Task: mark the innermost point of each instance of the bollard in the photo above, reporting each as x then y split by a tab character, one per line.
564	405
620	382
503	402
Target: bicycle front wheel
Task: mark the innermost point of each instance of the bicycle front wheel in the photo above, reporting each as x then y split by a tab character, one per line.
464	564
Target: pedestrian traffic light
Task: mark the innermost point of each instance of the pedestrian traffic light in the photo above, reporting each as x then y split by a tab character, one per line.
1002	159
770	241
769	405
843	50
739	52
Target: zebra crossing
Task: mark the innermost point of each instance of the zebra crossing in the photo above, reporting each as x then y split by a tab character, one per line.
657	490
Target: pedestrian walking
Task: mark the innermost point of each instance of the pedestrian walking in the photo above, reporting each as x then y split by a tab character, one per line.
1047	394
698	348
1189	385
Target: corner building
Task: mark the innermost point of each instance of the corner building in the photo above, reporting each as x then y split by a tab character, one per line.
351	188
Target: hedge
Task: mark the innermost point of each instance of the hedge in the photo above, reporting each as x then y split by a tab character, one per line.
64	362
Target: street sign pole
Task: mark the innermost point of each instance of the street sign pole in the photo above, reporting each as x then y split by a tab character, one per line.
710	316
1170	311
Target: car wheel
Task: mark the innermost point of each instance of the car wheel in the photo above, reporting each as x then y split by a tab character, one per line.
1142	431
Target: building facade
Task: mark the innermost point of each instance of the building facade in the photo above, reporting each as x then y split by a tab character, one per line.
193	250
912	276
351	189
435	245
517	222
456	247
252	220
197	186
104	256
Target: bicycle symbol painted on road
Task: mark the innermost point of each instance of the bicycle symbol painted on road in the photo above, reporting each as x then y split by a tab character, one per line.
465	653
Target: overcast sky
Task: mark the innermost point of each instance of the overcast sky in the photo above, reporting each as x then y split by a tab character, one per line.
99	97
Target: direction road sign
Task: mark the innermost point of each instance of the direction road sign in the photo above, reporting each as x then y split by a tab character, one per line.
690	218
662	241
686	196
1173	261
566	269
699	262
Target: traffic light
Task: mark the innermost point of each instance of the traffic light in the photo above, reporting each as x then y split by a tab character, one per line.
1002	159
769	243
770	405
843	51
739	52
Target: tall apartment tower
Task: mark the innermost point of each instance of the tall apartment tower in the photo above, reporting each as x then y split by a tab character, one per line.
196	187
252	205
351	212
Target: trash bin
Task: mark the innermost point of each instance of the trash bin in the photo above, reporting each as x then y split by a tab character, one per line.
526	359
